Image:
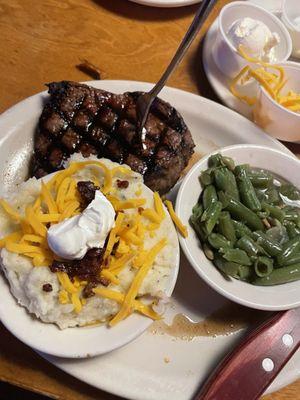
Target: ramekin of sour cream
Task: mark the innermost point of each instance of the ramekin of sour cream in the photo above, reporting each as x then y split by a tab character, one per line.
261	34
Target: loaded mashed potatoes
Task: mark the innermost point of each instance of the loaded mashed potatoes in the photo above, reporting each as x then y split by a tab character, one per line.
87	244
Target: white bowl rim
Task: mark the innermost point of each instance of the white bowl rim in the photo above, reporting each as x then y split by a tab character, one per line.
287	20
184	247
287	64
264	11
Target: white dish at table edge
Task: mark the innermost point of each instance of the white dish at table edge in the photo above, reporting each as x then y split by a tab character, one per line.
139	367
270	298
166	3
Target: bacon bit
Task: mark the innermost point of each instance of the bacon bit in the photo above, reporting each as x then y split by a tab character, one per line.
89	69
140	210
104	281
122	184
47	287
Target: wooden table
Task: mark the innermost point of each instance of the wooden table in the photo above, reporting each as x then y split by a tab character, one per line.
42	41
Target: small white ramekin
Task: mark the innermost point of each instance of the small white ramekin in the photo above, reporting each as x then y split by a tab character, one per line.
290	11
226	56
272	117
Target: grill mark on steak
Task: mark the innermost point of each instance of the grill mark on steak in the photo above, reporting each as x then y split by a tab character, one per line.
93	121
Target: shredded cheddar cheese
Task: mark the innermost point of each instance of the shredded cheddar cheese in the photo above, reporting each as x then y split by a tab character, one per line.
112	235
182	228
10	211
63	297
48	198
10	238
128	304
272	82
34	222
110	276
119	298
76	302
65	282
159	205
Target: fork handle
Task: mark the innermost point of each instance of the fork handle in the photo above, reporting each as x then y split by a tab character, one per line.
253	365
201	15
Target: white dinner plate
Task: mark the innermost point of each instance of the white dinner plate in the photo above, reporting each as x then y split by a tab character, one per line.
166	3
160	366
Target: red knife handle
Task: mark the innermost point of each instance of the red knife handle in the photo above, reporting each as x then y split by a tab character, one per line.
245	373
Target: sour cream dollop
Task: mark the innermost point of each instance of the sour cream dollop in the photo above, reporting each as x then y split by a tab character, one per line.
256	38
73	237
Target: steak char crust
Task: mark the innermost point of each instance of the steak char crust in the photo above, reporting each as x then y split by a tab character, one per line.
79	118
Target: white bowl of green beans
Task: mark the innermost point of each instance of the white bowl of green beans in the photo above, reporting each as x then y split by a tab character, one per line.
242	208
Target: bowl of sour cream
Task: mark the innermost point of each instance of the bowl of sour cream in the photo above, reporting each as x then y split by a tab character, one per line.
261	34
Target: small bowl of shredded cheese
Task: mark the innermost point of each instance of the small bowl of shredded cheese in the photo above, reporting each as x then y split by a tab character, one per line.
279	113
275	101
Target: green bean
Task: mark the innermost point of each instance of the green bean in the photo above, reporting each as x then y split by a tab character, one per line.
272	195
263	214
246	189
198	227
227	267
211	215
272	248
259	179
289	249
226	226
197	211
208	251
218	241
291	228
238	210
274	211
241	229
215	160
291	214
295	259
290	191
261	195
263	266
225	180
249	246
205	178
279	276
228	162
209	196
236	255
245	272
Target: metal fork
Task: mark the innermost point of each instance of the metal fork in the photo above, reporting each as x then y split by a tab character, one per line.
146	99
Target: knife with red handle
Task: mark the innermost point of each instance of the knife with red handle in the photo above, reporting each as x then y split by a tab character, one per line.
250	368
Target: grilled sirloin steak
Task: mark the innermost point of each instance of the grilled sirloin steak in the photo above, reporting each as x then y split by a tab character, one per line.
79	118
